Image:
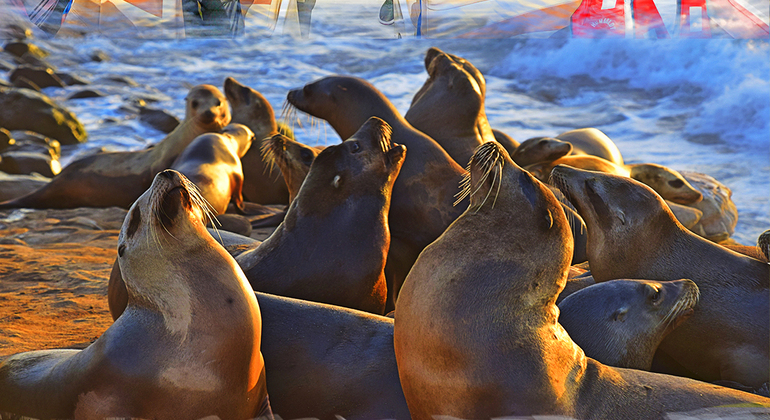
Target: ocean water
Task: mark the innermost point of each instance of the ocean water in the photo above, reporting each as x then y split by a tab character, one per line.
698	105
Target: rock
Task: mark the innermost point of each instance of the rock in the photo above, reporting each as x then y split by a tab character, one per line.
12	186
120	80
6	139
25	163
719	212
86	93
5	84
24	109
29	141
40	76
71	80
99	56
20	48
158	119
6	66
16	31
24	83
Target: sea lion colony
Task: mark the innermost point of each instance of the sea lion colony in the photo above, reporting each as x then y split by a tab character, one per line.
482	254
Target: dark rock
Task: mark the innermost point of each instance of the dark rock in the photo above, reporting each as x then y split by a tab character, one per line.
5	84
12	186
20	48
86	93
16	31
25	163
6	140
6	66
120	80
71	80
99	56
40	76
158	119
29	141
24	109
24	83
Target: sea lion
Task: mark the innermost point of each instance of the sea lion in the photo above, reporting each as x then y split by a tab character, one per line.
667	182
449	107
621	322
423	196
763	243
540	149
293	159
509	254
119	178
337	226
507	141
328	362
591	141
261	184
213	163
728	336
187	345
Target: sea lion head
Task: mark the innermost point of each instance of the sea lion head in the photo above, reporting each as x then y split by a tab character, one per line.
163	227
622	322
453	83
293	158
496	184
540	149
241	135
345	102
207	107
669	183
250	108
366	162
619	212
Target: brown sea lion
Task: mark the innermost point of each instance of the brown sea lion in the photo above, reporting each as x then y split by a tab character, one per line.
621	322
591	141
118	178
667	182
187	345
293	159
12	186
325	361
633	234
507	141
423	196
213	163
261	183
763	243
337	226
540	149
476	333
25	163
449	107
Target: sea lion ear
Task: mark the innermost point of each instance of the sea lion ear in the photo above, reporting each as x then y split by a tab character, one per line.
620	314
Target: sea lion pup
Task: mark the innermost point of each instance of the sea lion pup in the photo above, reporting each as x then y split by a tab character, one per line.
293	159
670	184
262	183
213	163
509	254
591	141
728	336
540	149
621	322
423	196
337	226
325	361
118	178
449	107
187	345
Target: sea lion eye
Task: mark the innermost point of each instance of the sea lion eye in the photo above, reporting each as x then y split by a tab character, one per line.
194	103
355	147
218	103
121	250
677	183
